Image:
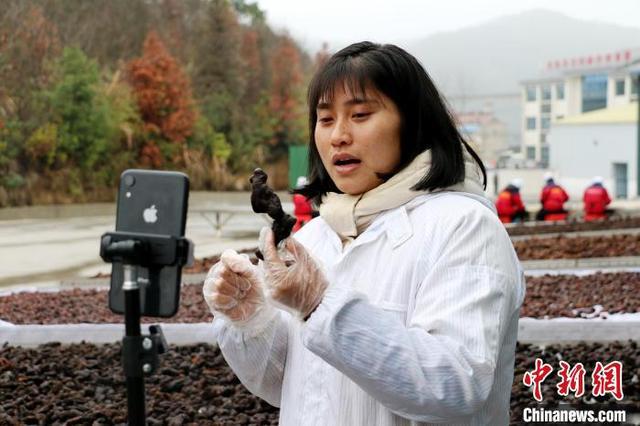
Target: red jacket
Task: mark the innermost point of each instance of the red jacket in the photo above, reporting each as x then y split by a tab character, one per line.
553	198
509	202
596	199
301	205
302	209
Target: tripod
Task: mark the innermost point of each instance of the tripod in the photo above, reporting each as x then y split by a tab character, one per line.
140	352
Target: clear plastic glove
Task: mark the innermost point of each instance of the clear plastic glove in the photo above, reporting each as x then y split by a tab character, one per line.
234	288
293	279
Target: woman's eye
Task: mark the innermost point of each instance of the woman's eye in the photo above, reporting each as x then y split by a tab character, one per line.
361	114
324	120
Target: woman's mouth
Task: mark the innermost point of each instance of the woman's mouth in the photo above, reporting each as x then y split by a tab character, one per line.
346	166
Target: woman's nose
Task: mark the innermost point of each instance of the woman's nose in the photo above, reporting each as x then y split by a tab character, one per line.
341	134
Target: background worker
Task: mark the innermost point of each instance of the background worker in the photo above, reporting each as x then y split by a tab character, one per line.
302	207
509	203
552	198
596	199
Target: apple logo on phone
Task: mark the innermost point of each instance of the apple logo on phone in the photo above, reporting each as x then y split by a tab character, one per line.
150	214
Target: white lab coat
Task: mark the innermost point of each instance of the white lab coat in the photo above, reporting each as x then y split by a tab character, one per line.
418	326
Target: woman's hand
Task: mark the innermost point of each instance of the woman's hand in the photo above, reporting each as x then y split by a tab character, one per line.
234	287
296	282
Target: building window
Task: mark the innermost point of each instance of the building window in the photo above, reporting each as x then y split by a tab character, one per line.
531	93
531	123
546	93
560	91
545	122
634	85
545	108
620	87
594	92
531	153
620	179
544	156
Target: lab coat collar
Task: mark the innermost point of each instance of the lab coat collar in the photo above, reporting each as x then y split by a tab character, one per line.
394	223
401	228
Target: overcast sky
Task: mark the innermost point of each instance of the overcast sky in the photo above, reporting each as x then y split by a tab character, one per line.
343	21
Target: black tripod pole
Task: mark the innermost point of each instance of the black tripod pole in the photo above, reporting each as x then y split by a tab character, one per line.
135	381
140	352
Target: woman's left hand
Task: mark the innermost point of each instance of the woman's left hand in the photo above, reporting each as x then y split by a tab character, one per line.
296	282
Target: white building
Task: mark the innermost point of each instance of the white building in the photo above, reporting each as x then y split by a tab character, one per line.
573	86
597	143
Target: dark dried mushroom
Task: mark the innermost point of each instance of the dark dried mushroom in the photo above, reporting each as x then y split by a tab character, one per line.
264	200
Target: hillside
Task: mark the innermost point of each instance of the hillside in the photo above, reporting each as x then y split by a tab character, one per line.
473	65
495	56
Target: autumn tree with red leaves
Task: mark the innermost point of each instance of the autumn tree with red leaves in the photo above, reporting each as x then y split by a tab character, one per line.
250	53
286	103
24	53
163	94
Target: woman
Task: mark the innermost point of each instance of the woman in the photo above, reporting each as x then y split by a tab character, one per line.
401	305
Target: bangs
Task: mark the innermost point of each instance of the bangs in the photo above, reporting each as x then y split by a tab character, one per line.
353	75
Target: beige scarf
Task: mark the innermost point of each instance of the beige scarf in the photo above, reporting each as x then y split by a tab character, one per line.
349	215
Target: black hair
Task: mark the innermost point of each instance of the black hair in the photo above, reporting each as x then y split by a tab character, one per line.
426	120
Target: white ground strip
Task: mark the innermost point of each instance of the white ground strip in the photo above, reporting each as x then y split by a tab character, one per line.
573	234
621	327
578	272
32	335
530	330
85	284
585	263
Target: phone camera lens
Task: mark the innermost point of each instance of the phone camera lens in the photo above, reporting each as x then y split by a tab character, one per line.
129	180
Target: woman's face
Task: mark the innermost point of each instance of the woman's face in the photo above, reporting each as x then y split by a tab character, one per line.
358	136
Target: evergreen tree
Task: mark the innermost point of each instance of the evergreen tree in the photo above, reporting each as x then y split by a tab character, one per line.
80	113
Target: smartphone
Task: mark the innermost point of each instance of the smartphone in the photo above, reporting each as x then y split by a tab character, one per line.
151	202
